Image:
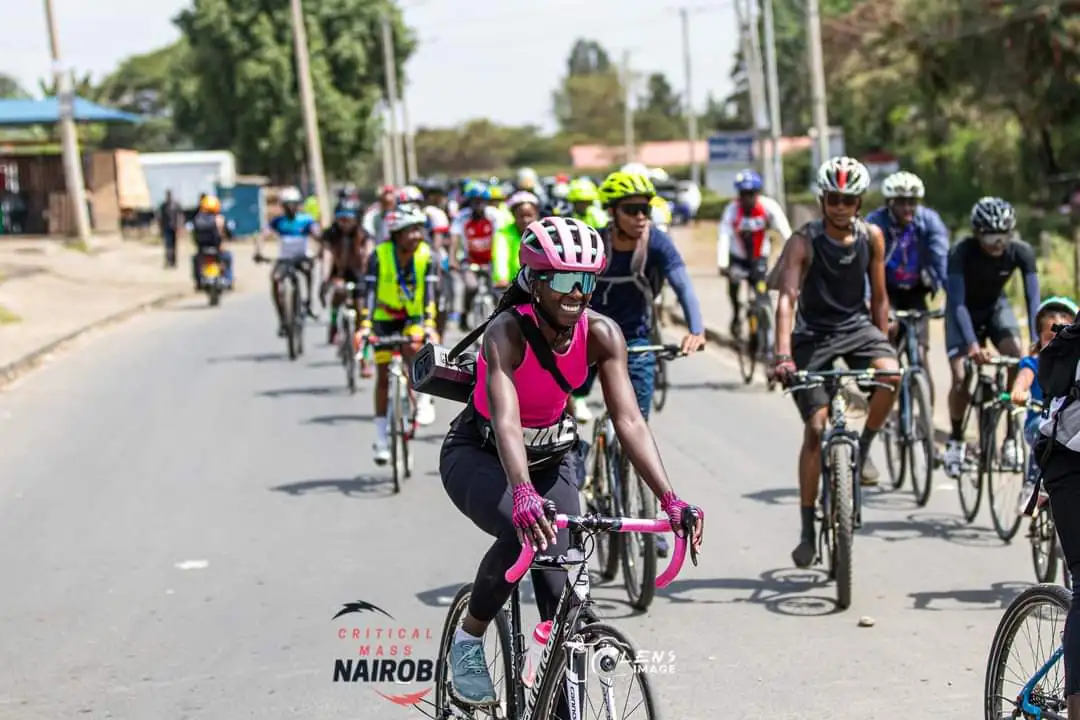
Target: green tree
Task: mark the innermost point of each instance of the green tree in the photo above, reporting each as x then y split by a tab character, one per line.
240	91
11	89
589	104
143	84
659	113
83	85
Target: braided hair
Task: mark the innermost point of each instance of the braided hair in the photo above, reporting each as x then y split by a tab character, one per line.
518	293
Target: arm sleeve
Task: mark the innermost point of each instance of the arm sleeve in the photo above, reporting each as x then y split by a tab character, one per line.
673	268
955	303
1030	269
777	219
370	282
937	240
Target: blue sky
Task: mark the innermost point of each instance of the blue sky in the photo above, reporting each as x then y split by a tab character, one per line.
512	52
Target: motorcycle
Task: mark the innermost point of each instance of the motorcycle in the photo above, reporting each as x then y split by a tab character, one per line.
212	275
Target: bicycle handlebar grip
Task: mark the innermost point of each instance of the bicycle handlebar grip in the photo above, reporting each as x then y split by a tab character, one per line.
525	558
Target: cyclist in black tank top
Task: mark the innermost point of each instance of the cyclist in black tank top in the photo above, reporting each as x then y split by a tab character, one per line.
826	266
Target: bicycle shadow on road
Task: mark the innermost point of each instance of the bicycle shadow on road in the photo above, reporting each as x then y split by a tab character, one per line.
783	591
247	357
368	487
775	496
312	391
337	419
996	597
938	526
725	386
441	597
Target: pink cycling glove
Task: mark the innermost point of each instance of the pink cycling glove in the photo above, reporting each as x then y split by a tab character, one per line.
528	506
673	507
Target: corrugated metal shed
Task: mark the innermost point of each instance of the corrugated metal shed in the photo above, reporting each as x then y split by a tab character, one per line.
15	113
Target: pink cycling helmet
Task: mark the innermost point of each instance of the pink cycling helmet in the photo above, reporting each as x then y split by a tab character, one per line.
562	244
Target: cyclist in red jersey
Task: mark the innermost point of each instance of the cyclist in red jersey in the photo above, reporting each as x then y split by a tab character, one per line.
471	238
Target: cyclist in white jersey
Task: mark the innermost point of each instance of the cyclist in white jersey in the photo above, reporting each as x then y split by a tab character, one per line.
293	229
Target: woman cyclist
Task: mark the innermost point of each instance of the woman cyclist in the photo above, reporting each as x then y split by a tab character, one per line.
506	250
498	463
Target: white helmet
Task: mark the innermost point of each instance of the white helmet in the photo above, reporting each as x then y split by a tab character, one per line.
659	175
406	216
527	176
903	185
290	195
635	169
844	176
521	197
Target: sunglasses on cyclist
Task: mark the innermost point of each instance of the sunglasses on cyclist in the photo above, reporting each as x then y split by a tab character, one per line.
994	239
836	199
566	282
634	209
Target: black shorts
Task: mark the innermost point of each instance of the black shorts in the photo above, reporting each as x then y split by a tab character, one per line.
857	348
281	266
997	325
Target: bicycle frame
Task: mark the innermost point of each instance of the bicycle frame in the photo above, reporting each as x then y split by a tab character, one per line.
838	432
985	389
1024	701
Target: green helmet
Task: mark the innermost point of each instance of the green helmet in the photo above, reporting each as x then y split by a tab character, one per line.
619	185
1058	303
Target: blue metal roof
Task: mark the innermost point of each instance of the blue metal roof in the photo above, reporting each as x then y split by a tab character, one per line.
45	112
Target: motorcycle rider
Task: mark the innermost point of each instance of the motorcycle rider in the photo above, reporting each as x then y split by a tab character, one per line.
209	231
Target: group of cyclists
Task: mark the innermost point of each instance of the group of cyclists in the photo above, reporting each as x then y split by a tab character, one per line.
574	270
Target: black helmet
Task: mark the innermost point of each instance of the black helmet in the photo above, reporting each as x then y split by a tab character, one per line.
993	215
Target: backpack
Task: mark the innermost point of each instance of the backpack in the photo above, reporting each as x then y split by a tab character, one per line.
902	268
1059	377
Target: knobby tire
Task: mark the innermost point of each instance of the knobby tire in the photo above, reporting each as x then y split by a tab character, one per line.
843	515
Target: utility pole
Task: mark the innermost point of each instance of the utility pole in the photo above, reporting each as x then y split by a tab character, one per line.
392	99
691	113
410	140
311	119
69	139
817	79
628	112
774	103
387	151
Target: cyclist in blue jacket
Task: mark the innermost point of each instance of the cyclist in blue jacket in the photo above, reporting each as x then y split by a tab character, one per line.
916	246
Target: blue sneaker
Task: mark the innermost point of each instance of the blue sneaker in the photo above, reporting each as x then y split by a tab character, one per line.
469	677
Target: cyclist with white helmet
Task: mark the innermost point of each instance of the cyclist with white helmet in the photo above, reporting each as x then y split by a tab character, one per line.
472	235
374	222
824	267
513	446
293	229
401	292
527	180
916	246
743	246
977	309
524	208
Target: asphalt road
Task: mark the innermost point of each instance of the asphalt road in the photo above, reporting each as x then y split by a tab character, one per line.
183	510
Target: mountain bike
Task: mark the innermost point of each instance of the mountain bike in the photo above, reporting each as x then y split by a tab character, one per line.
346	332
613	487
840	506
484	302
909	432
1028	692
578	647
992	455
400	408
290	299
757	347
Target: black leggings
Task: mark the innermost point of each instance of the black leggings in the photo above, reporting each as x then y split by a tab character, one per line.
1061	476
476	483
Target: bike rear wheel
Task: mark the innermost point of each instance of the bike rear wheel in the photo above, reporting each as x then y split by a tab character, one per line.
446	705
297	328
1004	477
638	549
1003	685
896	435
397	456
348	351
969	484
660	381
597	499
841	468
1044	545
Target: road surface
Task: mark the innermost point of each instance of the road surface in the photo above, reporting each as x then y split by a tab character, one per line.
183	510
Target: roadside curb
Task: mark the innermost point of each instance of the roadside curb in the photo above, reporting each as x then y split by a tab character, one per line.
12	371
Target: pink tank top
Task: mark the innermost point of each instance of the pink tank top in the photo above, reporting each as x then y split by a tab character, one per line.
541	399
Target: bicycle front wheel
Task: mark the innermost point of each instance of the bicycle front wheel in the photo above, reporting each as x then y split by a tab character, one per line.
970	482
397	458
288	312
639	549
660	382
298	316
614	679
921	441
348	352
1012	662
896	434
841	462
500	660
597	499
1005	474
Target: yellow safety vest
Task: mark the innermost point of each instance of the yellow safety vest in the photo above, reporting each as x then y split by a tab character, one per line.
391	303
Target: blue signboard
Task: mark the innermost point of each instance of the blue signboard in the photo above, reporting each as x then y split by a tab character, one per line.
736	148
